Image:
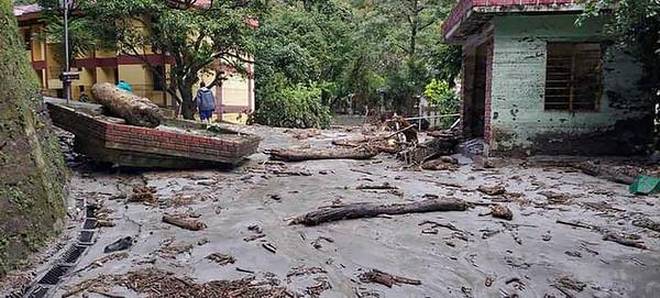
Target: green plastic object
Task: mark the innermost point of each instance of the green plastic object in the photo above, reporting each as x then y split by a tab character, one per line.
645	185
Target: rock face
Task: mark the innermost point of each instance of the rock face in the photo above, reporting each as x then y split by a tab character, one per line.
32	170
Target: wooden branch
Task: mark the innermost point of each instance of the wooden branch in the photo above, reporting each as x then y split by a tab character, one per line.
366	210
386	279
363	152
188	224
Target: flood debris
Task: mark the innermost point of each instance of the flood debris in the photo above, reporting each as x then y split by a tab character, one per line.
322	284
317	242
492	190
99	262
144	194
366	210
501	211
134	109
120	244
185	223
383	186
269	247
624	175
438	165
293	154
153	283
221	259
646	222
303	270
386	279
556	198
170	249
566	284
625	239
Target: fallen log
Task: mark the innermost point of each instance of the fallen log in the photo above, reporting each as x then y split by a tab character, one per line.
135	110
365	210
188	224
386	279
626	240
621	175
363	152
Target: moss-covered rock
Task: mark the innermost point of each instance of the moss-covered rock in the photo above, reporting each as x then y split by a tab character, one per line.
32	170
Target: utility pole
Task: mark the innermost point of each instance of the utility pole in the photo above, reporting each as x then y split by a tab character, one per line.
67	76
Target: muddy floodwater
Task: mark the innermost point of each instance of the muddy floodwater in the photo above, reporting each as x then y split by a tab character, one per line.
469	253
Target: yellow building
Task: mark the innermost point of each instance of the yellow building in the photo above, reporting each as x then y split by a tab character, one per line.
234	96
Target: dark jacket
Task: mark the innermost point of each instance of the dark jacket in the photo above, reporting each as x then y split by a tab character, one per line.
205	99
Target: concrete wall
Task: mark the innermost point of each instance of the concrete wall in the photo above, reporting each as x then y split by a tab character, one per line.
519	122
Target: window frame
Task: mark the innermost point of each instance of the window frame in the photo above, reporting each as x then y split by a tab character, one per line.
573	82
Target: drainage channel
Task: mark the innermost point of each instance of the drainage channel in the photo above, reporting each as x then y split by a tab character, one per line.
67	260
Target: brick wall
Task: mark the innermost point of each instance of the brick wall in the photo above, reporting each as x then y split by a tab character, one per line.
225	148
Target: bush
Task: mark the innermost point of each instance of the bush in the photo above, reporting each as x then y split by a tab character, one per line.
294	107
443	98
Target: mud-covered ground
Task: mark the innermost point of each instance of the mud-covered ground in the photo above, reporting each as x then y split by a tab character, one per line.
454	254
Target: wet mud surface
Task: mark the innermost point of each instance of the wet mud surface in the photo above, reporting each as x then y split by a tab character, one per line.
246	212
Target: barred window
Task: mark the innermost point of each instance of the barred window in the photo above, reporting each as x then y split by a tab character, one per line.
573	76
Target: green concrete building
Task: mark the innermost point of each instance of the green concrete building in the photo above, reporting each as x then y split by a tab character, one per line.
534	82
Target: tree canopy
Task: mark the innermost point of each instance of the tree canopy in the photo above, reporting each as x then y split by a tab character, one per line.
196	35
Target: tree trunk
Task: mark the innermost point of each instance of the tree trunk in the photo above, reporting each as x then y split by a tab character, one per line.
364	152
135	110
188	105
362	210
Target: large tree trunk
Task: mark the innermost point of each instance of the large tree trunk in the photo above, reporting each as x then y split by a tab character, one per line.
188	105
135	110
363	152
362	210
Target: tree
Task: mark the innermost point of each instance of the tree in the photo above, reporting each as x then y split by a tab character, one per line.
407	37
195	34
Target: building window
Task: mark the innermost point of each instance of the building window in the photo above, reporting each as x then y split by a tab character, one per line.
574	75
27	39
156	73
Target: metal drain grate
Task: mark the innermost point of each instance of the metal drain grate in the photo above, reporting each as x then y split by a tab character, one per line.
89	224
85	237
72	255
54	275
39	292
91	211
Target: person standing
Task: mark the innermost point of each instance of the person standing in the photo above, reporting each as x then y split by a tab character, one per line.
205	102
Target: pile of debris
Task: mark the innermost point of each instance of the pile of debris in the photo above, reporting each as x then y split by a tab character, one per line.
152	282
396	136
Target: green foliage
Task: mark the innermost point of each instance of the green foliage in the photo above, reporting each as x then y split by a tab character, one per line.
443	98
195	37
298	107
635	25
32	184
368	53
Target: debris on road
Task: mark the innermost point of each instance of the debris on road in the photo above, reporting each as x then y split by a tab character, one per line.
120	244
492	190
646	222
364	210
153	283
185	223
625	239
144	194
386	279
221	259
501	211
292	154
134	109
